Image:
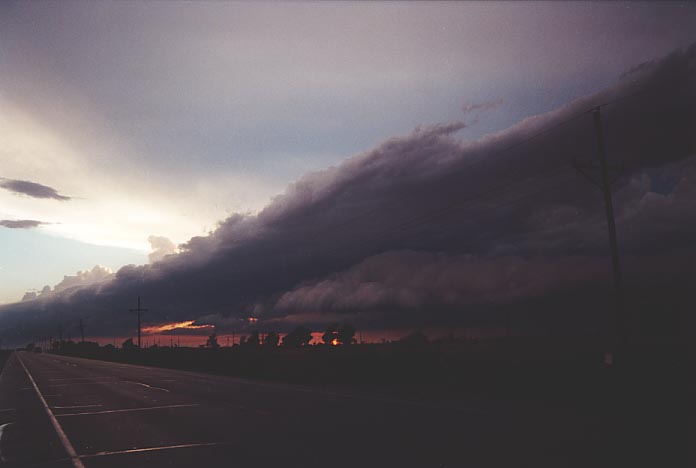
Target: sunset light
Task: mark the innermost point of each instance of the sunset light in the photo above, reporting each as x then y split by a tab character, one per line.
186	325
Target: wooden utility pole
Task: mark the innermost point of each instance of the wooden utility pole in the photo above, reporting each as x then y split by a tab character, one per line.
139	312
82	331
619	326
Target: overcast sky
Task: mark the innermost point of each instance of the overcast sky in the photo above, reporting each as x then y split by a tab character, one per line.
128	128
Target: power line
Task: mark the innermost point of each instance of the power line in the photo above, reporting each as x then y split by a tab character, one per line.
619	328
138	311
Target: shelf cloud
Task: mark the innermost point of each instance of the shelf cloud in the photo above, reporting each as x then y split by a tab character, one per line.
433	228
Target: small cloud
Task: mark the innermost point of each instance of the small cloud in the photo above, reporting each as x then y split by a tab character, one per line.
84	278
481	106
476	109
31	189
20	223
439	129
161	247
30	296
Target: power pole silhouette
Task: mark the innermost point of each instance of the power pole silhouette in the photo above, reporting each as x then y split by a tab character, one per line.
60	327
138	311
82	331
619	327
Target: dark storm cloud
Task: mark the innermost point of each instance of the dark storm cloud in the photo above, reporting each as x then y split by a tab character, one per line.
20	223
31	189
417	287
426	225
416	280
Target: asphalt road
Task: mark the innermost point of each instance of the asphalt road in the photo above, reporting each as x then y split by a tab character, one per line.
57	411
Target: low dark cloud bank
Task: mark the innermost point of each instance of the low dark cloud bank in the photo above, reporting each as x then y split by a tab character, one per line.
20	223
429	230
31	189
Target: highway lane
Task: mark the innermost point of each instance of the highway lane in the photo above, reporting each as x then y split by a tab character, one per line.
115	415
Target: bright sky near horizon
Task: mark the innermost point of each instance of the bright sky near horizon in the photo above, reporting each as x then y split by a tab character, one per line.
164	118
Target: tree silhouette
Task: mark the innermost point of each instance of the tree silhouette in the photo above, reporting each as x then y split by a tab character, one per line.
252	340
212	342
415	340
300	336
128	344
335	335
330	336
271	340
346	334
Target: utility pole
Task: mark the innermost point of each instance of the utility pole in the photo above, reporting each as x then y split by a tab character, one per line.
82	331
138	311
619	324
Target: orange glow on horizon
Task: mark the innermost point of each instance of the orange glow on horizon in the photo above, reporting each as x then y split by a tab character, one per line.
335	342
186	325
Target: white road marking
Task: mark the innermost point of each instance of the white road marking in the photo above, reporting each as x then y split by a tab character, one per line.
125	410
74	407
152	449
148	386
93	379
80	383
69	449
2	428
148	449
